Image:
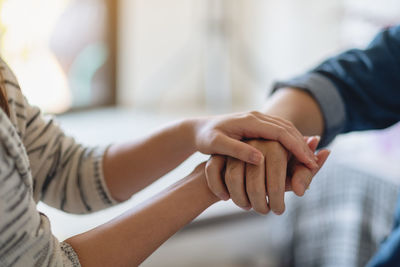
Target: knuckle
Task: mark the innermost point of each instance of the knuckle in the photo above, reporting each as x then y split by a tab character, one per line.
240	117
275	146
285	122
230	179
251	116
260	145
283	142
253	142
233	166
255	113
290	125
290	128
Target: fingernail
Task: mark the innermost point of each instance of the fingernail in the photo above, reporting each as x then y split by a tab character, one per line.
246	208
256	158
318	138
223	196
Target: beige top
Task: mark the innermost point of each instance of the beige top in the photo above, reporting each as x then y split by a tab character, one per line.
39	163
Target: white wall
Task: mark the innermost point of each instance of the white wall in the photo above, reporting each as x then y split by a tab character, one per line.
223	54
157	51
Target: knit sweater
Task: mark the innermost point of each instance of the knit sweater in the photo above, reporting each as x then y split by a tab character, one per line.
38	162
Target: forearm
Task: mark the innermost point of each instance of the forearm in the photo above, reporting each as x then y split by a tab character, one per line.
299	107
129	239
129	167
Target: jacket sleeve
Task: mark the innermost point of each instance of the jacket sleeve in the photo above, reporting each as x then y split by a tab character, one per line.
358	89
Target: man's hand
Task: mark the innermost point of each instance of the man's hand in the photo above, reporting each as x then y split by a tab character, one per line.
249	185
224	135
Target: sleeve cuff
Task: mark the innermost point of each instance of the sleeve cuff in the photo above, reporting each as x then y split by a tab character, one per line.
328	99
102	190
70	258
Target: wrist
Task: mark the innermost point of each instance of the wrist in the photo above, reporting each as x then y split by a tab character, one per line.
298	107
188	133
195	184
199	183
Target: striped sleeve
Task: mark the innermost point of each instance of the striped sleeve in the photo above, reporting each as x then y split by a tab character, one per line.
67	175
25	234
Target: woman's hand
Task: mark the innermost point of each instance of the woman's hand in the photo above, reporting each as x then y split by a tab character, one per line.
224	135
131	237
249	185
129	167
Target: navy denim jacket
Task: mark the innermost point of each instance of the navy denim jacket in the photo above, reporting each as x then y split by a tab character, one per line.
360	90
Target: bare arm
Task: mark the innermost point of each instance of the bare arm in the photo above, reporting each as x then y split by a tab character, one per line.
130	167
129	239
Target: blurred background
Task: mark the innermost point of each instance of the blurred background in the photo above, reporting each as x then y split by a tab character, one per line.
111	70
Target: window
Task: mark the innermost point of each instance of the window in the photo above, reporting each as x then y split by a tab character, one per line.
62	51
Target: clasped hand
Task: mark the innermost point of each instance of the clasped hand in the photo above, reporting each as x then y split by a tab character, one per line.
256	158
